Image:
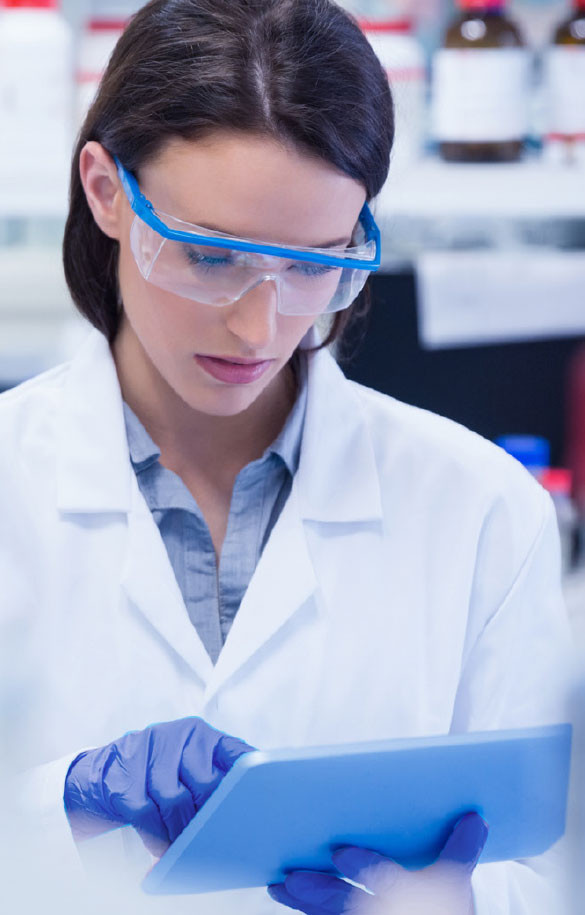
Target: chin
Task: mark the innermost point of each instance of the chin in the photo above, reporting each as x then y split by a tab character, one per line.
224	402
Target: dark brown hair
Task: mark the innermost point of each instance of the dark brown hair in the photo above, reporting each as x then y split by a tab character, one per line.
296	70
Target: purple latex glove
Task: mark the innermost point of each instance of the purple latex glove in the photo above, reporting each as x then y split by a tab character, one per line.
443	888
154	780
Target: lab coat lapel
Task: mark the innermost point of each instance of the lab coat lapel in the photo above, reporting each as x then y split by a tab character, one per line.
149	582
283	582
95	476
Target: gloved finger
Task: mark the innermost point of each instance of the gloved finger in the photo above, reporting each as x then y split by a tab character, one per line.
228	749
86	801
328	893
465	844
124	785
173	800
279	893
198	769
372	870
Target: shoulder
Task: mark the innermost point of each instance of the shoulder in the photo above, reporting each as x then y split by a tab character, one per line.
31	406
28	431
449	466
35	391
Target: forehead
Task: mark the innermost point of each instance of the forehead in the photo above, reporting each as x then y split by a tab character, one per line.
254	187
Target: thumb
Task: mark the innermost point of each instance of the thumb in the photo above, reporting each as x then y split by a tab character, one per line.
227	750
466	842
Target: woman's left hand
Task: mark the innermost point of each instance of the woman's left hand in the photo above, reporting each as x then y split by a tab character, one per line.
443	888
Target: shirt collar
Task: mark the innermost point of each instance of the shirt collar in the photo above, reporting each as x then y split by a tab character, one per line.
287	445
143	451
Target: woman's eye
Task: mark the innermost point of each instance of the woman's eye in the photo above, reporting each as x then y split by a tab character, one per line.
312	269
205	260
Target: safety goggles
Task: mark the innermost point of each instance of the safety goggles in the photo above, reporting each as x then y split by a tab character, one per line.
218	269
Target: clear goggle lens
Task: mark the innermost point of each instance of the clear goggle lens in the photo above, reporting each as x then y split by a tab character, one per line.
221	276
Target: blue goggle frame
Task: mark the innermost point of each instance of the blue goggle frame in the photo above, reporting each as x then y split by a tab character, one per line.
145	211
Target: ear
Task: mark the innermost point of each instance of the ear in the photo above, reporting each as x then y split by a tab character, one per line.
103	191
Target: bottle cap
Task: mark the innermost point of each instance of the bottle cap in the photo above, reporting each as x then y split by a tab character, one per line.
557	480
107	24
403	26
579	5
480	5
31	4
530	450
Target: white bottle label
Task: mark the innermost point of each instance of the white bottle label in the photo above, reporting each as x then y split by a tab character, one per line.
481	94
565	78
403	60
36	135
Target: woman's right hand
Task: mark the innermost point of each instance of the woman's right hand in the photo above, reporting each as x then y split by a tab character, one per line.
154	780
442	888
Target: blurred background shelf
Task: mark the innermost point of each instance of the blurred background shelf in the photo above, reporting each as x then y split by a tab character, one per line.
531	189
38	320
434	205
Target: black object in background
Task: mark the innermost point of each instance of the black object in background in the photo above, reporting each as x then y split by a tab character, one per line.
492	389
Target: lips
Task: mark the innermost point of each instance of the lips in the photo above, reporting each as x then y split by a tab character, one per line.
233	371
237	361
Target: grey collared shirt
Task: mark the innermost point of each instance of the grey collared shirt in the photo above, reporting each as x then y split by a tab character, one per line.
213	590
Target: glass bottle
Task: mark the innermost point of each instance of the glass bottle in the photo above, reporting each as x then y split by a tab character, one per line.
572	30
565	79
36	105
403	59
481	86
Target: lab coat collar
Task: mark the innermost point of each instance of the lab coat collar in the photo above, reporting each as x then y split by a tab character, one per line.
154	592
337	478
94	472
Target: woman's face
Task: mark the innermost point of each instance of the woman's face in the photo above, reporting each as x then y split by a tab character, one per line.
246	186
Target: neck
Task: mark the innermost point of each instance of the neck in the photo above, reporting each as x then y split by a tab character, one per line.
192	442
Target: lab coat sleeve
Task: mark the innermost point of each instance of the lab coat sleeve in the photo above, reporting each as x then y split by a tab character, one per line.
38	802
42	870
65	871
519	672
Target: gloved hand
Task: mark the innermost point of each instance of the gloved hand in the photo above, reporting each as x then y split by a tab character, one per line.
443	888
155	780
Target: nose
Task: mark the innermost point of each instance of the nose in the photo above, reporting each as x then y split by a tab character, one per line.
253	317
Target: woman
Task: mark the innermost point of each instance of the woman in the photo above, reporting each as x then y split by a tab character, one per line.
215	533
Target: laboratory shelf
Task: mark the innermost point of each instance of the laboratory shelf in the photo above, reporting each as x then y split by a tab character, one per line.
437	206
31	281
36	312
528	189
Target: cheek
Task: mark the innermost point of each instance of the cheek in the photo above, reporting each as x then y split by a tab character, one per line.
162	320
157	316
292	329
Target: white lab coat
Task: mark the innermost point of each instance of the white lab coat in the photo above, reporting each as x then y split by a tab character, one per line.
410	587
